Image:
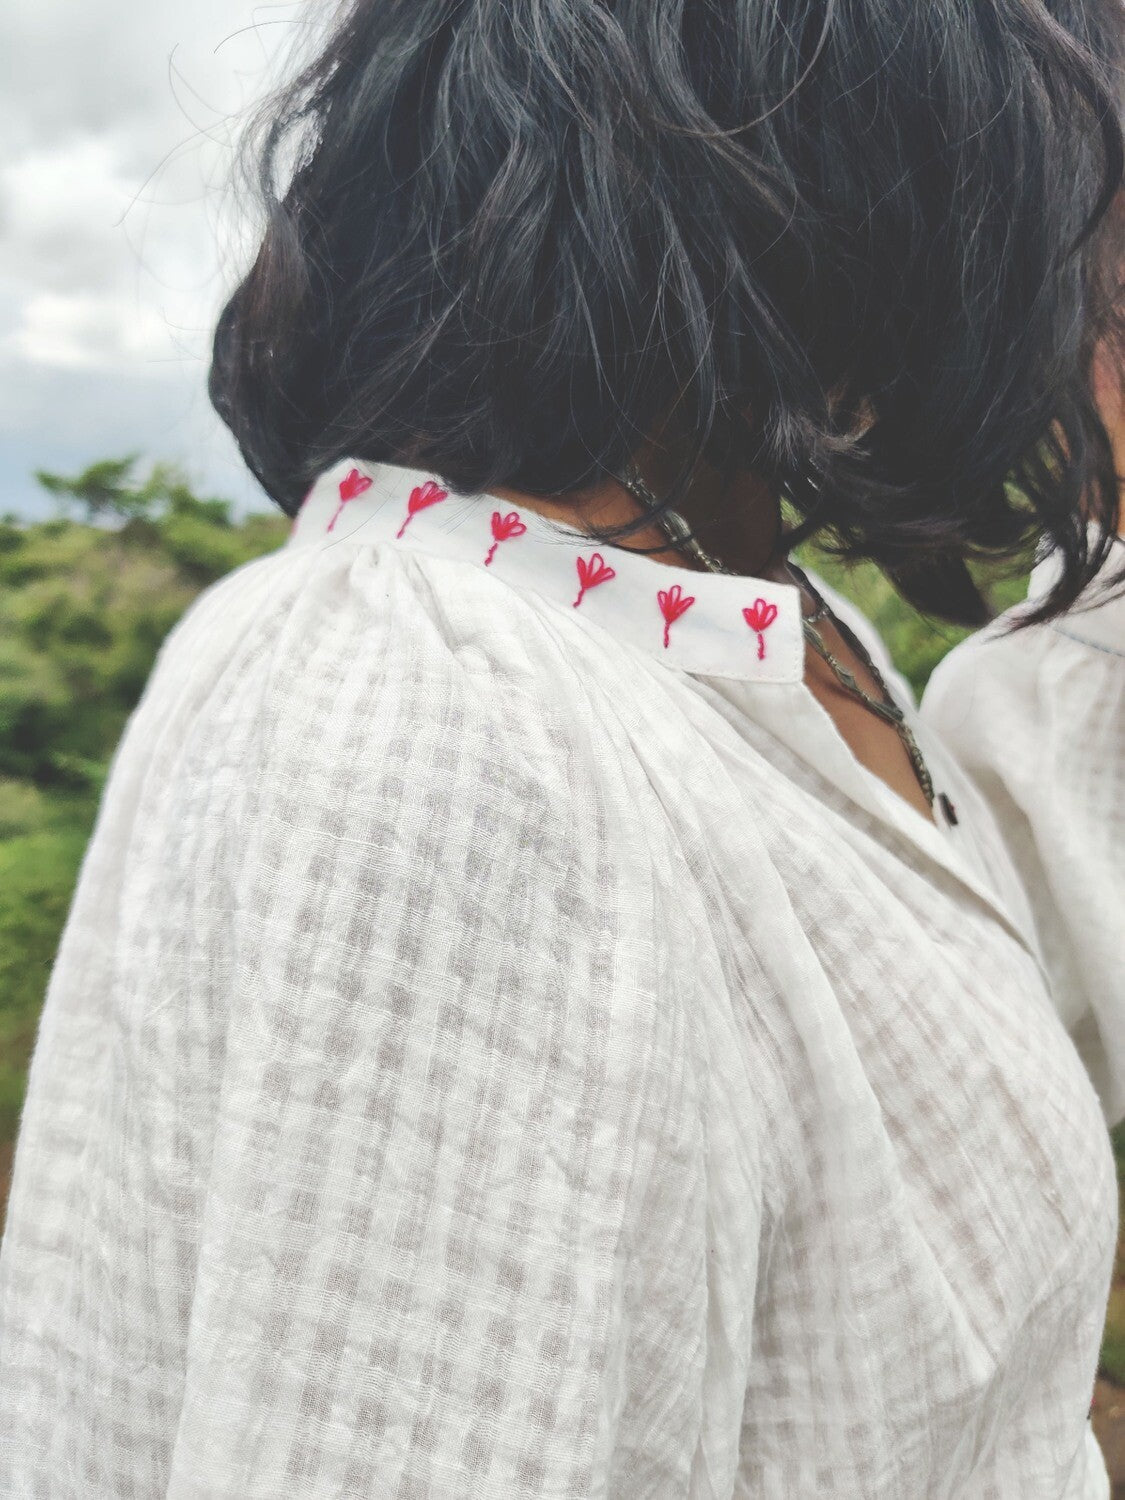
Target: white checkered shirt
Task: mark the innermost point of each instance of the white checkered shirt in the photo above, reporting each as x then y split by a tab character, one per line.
504	1045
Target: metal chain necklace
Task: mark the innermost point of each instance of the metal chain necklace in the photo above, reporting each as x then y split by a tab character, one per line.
678	532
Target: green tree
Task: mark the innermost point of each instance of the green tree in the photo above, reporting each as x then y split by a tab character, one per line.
102	487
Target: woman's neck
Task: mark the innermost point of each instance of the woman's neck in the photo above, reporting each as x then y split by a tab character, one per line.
740	528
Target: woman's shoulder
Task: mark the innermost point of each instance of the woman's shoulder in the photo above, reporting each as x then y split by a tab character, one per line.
374	614
345	729
999	671
343	673
370	687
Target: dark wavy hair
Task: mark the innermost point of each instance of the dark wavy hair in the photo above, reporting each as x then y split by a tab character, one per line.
515	236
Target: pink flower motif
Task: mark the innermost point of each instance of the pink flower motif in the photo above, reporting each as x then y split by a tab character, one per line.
591	572
672	606
504	527
355	484
759	619
425	494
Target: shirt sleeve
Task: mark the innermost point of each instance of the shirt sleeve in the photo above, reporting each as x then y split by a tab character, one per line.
1037	719
454	1234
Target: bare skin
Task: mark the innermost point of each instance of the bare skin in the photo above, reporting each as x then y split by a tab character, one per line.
1109	387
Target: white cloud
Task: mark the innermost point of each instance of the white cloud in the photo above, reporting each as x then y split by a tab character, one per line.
60	207
118	234
88	331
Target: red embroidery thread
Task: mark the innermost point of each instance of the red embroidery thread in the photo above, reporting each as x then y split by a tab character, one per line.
759	619
355	484
591	572
672	606
504	527
425	494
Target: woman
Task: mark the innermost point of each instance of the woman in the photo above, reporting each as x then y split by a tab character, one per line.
543	1013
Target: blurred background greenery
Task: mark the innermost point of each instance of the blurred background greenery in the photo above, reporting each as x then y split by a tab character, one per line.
87	597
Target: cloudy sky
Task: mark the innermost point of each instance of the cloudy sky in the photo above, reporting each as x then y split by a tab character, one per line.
119	228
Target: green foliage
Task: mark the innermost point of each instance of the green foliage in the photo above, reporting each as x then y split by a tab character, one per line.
1111	1360
76	646
37	875
23	808
916	642
50	548
84	609
35	706
101	487
203	549
111	488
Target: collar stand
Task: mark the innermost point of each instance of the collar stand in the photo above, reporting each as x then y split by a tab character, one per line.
709	624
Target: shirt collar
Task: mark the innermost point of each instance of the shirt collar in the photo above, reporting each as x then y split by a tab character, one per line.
711	624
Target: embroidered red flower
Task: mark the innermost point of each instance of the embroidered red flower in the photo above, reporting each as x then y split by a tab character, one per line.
672	606
504	527
759	619
421	497
355	484
591	572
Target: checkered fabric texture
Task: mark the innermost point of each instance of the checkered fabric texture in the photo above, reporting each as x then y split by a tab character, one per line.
483	1062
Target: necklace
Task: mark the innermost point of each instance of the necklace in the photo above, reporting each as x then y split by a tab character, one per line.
678	532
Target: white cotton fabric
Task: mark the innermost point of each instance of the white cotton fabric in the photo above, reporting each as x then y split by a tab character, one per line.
490	1056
